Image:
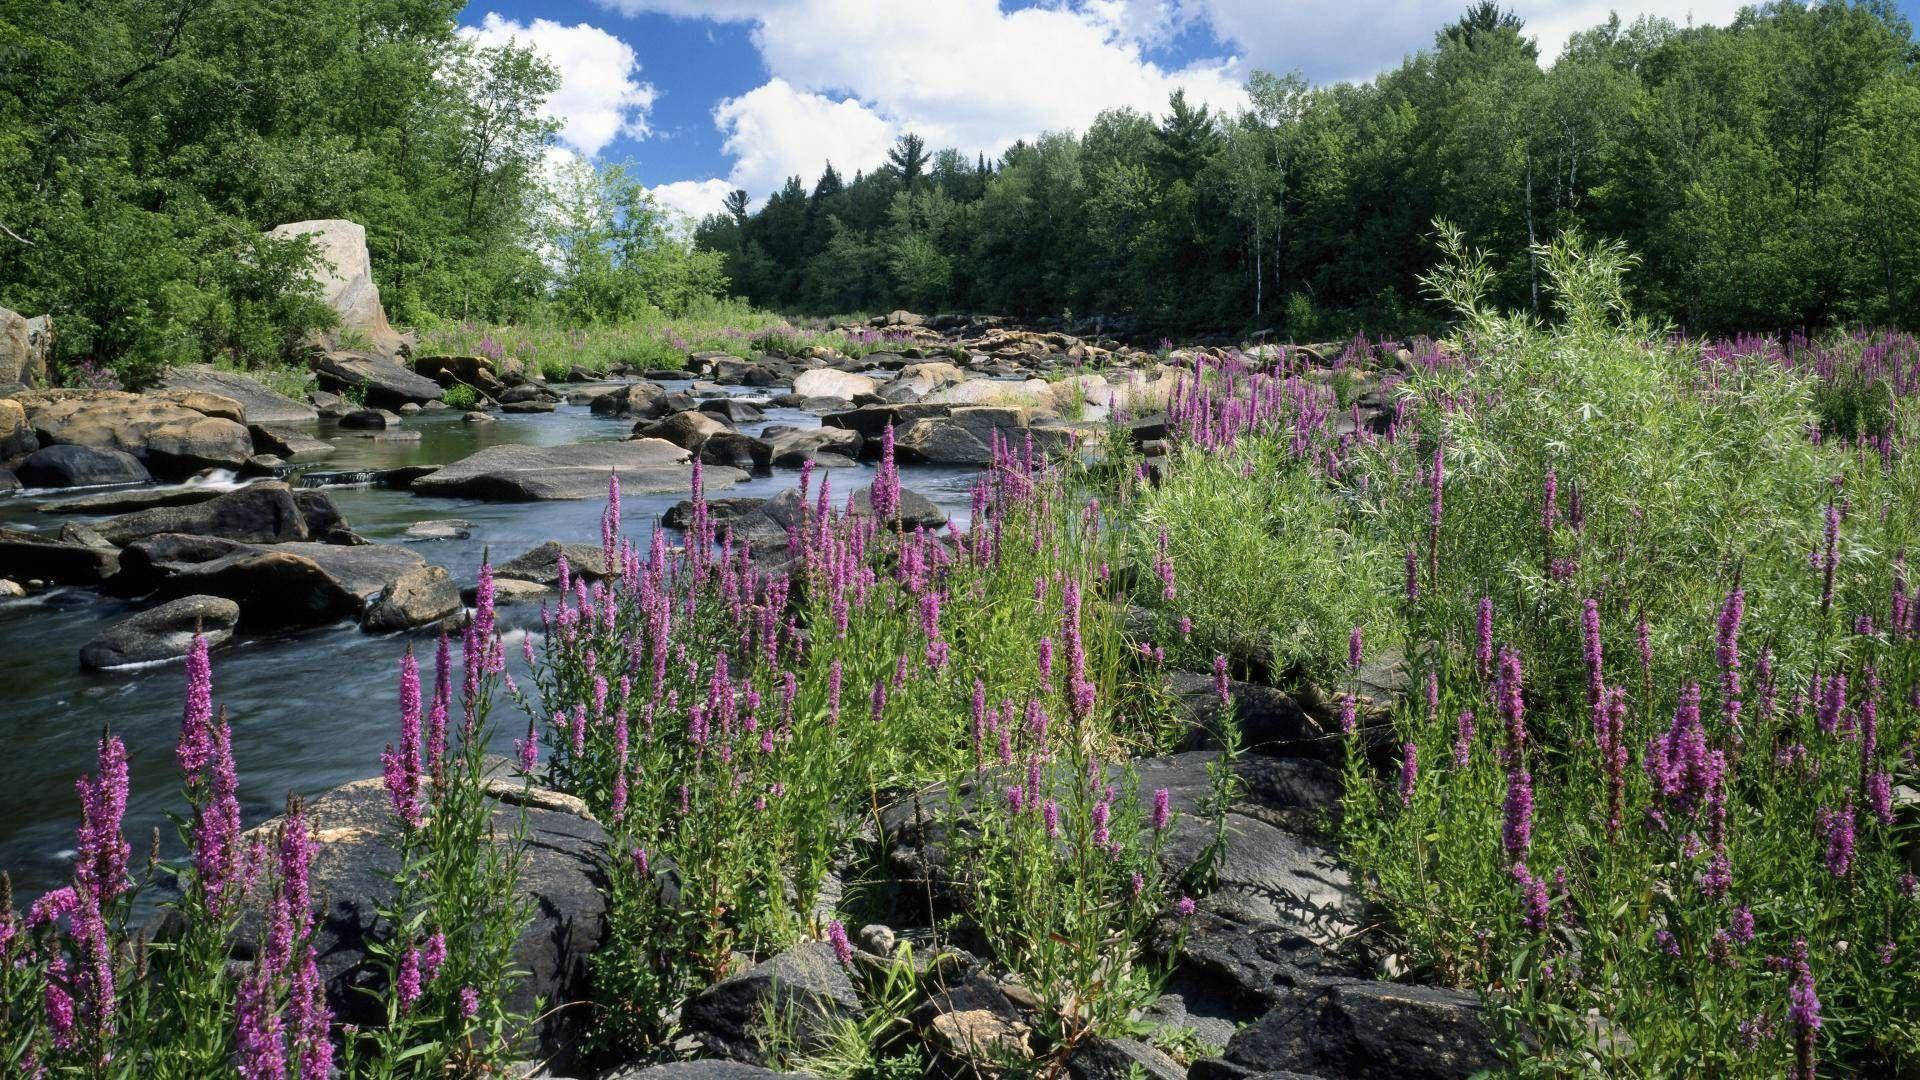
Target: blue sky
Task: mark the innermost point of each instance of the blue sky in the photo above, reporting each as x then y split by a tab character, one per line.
701	96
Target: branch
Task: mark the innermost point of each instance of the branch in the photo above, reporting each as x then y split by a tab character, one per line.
15	235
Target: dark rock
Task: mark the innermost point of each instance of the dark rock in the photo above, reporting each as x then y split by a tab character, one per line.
353	868
806	985
940	441
579	471
282	585
120	502
1101	1058
542	564
80	466
534	405
1271	722
686	429
383	382
732	449
829	447
369	420
916	510
1367	1031
289	444
264	513
162	633
262	405
418	597
448	370
706	1069
731	409
720	511
971	1019
871	420
25	556
8	481
626	400
666	405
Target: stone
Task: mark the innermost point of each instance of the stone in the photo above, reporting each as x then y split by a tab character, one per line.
830	447
11	590
703	1069
8	481
291	445
443	529
579	471
276	586
476	417
1103	1058
940	441
871	420
162	633
1366	1031
80	466
344	274
561	881
25	345
1030	394
448	370
542	564
804	984
418	597
509	592
626	400
130	499
181	448
369	420
382	382
260	404
16	435
263	513
916	510
531	405
115	419
1270	721
721	512
26	556
971	1018
830	383
687	429
732	410
732	449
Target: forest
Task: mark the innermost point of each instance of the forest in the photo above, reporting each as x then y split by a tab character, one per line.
1768	173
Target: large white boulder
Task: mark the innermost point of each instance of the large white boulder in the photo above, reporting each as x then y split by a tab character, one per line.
345	275
24	345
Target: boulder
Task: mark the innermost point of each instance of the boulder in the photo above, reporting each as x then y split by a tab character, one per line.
626	400
805	985
871	420
263	513
702	1069
25	556
732	449
418	597
131	499
280	585
542	564
916	510
162	633
442	529
16	435
687	429
1119	1058
448	370
80	466
25	345
357	857
579	471
181	448
1364	1030
115	419
732	410
344	274
260	404
383	382
288	444
830	383
829	447
1030	394
1270	721
940	441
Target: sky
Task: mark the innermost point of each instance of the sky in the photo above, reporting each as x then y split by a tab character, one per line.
699	97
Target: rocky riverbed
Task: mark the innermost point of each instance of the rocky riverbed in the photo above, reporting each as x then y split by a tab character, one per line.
301	536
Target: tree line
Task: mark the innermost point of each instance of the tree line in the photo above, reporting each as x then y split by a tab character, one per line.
145	146
1767	172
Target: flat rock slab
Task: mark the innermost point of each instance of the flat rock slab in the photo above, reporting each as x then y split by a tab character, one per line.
279	585
263	406
162	633
580	471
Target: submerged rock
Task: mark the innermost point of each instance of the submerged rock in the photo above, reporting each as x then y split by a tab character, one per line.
162	633
418	597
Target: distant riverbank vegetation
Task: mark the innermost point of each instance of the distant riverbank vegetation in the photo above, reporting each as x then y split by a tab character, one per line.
1768	172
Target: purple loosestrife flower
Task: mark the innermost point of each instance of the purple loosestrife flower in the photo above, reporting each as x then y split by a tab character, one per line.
837	937
1550	502
1185	907
1535	907
1513	707
1803	1012
1879	795
402	767
1463	740
1727	654
1413	573
1356	649
1220	682
1409	771
1162	808
1050	814
527	750
1590	637
1837	836
100	865
833	693
469	1003
442	702
1517	833
408	983
195	749
311	1019
1483	638
1740	925
1102	814
216	827
258	1033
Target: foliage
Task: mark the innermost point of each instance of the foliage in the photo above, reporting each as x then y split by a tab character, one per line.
1766	168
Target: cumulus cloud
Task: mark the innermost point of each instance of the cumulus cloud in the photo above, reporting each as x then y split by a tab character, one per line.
692	199
600	96
849	76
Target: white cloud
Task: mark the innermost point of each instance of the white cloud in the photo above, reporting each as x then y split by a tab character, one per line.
600	96
694	199
848	76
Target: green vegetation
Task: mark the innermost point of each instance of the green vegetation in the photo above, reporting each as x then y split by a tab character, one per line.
1768	169
141	162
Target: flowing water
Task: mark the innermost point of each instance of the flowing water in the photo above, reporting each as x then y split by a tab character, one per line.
310	709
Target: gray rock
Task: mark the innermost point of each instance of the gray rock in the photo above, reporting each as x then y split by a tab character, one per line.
181	448
352	877
686	429
476	417
25	345
418	597
80	466
706	1069
369	420
541	565
734	450
871	420
289	444
628	400
805	984
162	633
916	510
829	383
16	434
1270	721
1101	1058
27	556
1366	1031
344	275
263	513
940	441
443	529
384	383
8	481
579	471
262	405
830	447
125	501
279	585
731	410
